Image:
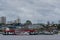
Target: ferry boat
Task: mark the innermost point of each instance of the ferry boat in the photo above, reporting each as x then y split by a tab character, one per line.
8	31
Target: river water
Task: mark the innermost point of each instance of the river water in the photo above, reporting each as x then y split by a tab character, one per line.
30	37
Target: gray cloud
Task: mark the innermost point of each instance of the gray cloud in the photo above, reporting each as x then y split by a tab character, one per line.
34	10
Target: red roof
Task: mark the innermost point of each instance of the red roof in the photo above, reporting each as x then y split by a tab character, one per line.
29	30
9	30
20	30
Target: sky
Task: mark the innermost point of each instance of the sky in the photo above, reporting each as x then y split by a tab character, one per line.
38	11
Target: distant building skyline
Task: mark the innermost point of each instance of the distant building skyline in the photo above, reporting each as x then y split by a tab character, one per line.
3	19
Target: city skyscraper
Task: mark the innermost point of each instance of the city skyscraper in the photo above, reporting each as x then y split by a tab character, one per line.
3	19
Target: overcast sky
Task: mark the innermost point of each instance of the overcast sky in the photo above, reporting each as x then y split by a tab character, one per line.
34	10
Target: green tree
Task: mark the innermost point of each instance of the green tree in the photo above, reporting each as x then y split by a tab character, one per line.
28	22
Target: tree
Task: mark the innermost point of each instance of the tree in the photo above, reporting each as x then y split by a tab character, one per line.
28	22
58	26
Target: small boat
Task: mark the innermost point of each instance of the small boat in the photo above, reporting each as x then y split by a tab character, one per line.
48	33
45	33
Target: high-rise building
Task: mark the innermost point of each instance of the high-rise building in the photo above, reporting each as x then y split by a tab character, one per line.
3	19
17	20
